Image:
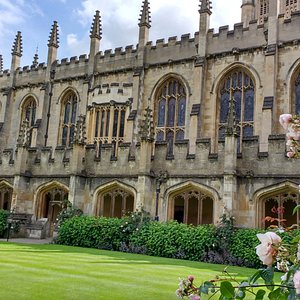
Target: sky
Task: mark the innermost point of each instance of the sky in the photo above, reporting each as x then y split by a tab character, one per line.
34	19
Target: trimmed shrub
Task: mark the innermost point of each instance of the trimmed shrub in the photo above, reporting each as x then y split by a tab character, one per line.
3	221
90	232
243	245
174	240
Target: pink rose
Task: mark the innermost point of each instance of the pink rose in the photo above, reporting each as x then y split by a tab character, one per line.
191	278
296	280
285	119
267	250
194	297
290	154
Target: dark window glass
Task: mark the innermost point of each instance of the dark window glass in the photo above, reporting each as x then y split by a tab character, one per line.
222	133
115	128
72	132
170	142
122	125
248	131
161	112
97	124
237	96
298	97
64	136
67	113
224	107
107	122
180	135
102	122
160	136
74	111
181	112
249	105
171	112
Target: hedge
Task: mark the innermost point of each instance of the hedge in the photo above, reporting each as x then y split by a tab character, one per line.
3	219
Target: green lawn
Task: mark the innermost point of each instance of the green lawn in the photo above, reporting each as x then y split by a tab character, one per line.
61	272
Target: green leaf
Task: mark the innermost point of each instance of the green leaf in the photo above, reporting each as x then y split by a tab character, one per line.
296	239
277	295
240	294
227	290
255	277
260	295
204	288
267	275
296	209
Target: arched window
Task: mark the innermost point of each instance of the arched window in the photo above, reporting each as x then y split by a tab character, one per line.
289	6
170	112
5	197
297	95
278	209
28	115
239	86
68	118
192	207
114	203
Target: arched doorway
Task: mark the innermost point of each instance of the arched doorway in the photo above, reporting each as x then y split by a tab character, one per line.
51	200
5	197
278	209
191	207
114	202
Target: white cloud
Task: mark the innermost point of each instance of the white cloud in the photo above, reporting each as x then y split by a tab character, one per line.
77	46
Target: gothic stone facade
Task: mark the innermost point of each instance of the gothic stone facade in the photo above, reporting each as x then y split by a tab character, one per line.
185	128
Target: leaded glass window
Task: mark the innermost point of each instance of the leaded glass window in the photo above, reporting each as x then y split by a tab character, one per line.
108	124
297	95
262	10
170	113
28	115
115	203
239	86
192	207
69	112
289	7
5	197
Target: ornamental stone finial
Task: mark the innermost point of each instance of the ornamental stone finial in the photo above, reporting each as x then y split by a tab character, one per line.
205	6
17	48
145	17
96	29
54	37
146	126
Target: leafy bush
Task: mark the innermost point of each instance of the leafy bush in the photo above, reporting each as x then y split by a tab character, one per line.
83	231
174	240
243	245
3	221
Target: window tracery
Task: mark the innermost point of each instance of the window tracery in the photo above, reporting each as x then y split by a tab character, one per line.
280	207
192	207
289	7
68	119
28	115
170	113
239	86
262	10
116	202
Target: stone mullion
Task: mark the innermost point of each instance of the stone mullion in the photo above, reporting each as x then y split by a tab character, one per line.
186	209
92	137
112	213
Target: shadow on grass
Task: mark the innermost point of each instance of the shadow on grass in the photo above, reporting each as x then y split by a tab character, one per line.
113	257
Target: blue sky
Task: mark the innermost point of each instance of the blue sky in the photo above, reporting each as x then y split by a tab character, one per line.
34	19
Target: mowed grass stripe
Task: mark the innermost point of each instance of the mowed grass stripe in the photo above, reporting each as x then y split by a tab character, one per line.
60	272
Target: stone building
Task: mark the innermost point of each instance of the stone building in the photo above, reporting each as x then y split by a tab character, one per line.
185	128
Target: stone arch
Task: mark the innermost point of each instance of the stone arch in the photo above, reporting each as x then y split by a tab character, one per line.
192	202
112	198
41	201
285	190
65	92
166	77
6	192
290	79
26	97
236	65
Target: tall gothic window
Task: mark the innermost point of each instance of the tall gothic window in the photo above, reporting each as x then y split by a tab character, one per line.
108	123
262	10
192	207
239	86
289	6
297	95
278	209
28	115
5	197
114	203
170	113
68	118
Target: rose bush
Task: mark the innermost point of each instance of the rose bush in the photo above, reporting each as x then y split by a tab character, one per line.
275	252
